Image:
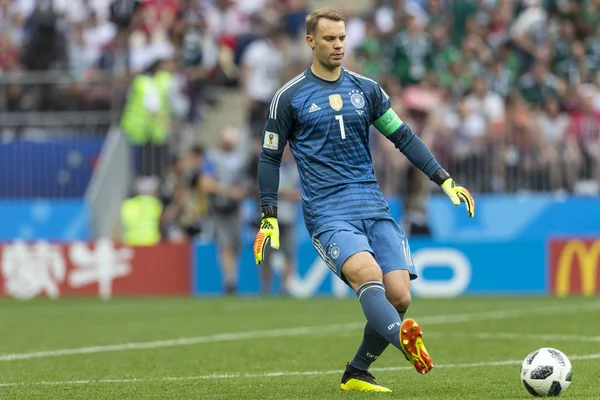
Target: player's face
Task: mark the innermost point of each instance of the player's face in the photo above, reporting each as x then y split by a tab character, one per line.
329	43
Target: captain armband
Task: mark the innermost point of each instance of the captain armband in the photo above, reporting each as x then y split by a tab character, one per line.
388	123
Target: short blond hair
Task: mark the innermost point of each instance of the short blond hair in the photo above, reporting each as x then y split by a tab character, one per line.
327	13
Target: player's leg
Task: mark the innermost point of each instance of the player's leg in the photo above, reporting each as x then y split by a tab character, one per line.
344	246
397	290
364	275
346	250
392	253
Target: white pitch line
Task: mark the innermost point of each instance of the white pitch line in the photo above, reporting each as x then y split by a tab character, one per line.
223	337
507	314
521	336
298	331
274	374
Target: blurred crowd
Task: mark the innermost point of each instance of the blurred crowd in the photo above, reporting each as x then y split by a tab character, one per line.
505	92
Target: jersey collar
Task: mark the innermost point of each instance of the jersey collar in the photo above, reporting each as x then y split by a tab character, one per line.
322	82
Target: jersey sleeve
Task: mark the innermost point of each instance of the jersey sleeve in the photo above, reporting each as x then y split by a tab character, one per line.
380	102
383	116
278	128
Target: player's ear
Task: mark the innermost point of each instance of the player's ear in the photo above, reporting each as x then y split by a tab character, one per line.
310	41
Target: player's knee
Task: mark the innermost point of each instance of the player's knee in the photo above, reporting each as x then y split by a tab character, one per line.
360	275
361	268
400	300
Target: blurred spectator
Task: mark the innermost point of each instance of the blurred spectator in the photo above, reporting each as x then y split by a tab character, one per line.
530	30
469	146
224	181
485	102
592	47
576	69
562	148
585	128
526	155
146	119
115	59
186	201
539	84
81	56
499	78
98	33
141	214
413	52
294	17
457	79
121	12
369	54
45	47
262	70
9	56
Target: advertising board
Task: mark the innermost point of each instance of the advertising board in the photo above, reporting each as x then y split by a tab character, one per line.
574	266
99	269
445	268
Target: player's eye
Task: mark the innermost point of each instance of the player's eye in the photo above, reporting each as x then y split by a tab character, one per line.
342	38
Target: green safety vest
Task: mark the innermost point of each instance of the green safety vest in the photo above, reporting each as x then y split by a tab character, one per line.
164	80
140	216
139	125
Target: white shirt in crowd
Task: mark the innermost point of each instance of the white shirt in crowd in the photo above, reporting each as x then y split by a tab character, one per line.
491	106
72	9
554	129
264	63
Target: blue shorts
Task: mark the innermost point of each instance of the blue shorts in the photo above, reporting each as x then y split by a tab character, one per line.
337	241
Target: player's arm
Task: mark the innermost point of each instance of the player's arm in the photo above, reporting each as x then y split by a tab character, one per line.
274	139
394	129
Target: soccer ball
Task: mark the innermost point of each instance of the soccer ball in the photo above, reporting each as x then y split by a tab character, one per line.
546	372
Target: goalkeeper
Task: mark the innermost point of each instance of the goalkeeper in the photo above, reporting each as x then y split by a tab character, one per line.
324	115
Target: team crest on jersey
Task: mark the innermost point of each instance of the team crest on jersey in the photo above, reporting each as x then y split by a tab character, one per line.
357	99
335	101
334	251
271	140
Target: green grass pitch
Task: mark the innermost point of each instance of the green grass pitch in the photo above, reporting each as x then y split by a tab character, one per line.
246	348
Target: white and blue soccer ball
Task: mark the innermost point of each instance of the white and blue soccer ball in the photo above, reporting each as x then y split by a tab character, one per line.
546	372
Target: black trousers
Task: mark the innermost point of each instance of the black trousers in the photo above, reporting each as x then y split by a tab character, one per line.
153	160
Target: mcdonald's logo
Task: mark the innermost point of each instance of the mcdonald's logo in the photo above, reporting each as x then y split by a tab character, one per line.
575	267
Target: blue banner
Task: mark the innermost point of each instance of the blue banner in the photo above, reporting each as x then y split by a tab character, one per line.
59	220
445	269
48	168
454	268
500	251
513	217
498	217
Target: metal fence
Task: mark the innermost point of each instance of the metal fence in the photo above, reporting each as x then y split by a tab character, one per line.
52	127
58	101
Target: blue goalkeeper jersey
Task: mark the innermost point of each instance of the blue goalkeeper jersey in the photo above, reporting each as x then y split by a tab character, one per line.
326	124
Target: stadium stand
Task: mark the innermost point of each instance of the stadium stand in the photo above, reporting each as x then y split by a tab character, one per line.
507	93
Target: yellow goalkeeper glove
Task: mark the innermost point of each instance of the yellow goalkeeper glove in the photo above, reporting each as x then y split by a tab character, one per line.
457	193
267	234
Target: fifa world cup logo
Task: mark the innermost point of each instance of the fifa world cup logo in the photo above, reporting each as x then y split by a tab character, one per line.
270	138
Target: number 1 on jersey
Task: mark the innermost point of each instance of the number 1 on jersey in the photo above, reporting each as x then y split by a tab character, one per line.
340	119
